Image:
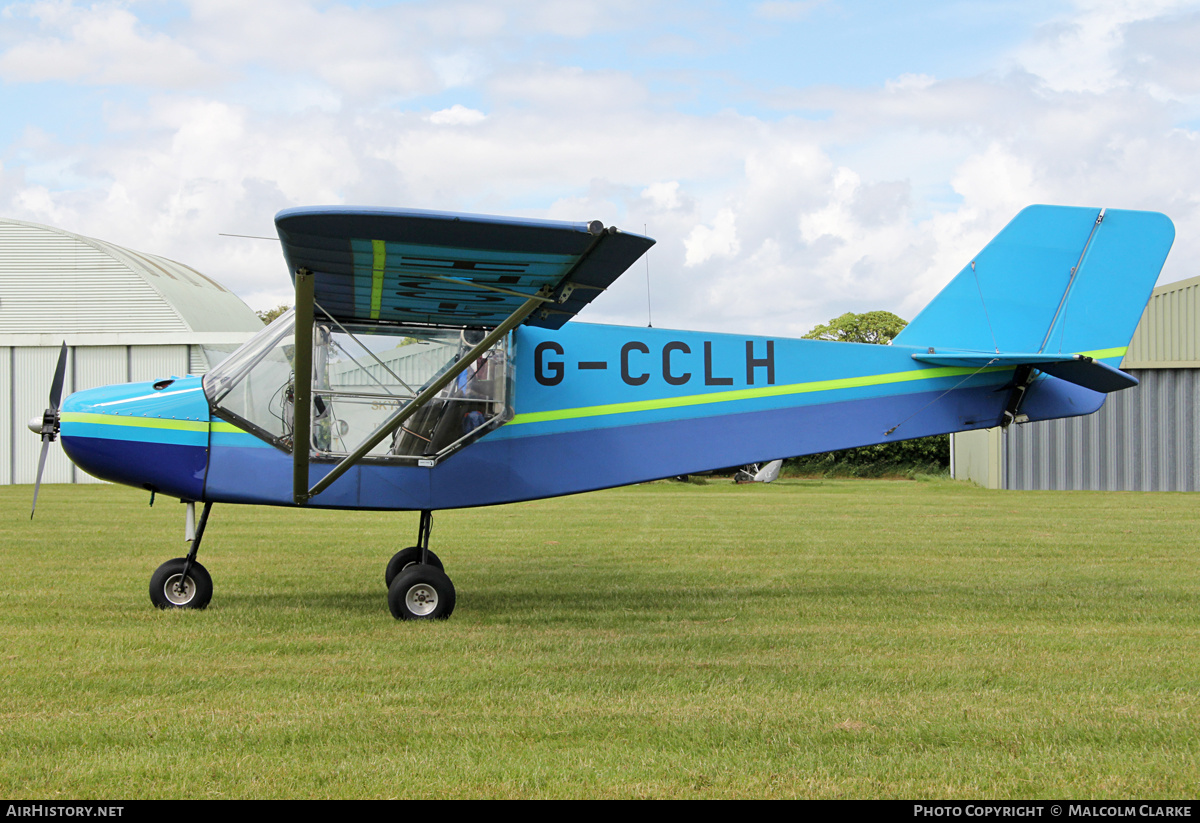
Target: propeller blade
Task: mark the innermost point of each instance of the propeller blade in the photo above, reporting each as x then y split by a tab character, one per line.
49	425
38	484
60	372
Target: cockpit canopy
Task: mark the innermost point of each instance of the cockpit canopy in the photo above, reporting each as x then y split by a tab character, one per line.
362	376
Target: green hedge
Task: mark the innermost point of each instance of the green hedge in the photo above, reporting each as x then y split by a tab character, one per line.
907	458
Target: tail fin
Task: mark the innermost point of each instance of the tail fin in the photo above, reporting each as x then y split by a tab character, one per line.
1058	281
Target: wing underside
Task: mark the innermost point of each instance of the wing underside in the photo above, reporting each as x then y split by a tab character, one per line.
443	269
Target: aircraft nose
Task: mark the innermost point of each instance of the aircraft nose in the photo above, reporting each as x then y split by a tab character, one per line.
140	435
35	425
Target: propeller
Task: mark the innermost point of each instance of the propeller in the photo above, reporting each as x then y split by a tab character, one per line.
47	427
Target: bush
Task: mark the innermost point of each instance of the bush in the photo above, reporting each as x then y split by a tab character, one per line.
906	458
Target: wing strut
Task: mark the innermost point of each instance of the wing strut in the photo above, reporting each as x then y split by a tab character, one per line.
302	385
301	493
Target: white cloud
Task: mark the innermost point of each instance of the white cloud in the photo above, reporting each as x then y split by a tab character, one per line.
457	115
100	44
41	206
576	19
1082	52
910	82
718	240
663	196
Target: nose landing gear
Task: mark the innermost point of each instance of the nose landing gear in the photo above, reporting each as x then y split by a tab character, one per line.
182	583
176	585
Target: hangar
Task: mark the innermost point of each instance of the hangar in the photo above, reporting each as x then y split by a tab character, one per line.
125	316
1143	439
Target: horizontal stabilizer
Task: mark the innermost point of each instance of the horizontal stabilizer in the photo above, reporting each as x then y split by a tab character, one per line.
1074	368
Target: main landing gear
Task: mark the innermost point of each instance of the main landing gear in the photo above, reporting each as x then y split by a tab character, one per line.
183	583
418	588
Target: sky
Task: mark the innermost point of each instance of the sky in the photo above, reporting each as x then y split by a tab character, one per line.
794	159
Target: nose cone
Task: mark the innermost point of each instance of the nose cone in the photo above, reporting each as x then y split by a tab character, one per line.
140	436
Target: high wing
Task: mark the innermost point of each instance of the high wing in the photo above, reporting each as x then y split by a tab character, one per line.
445	269
358	265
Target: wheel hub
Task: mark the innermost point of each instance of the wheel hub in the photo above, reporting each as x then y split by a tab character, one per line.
421	599
179	589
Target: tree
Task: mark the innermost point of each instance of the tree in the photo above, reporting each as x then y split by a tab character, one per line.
869	327
923	455
268	315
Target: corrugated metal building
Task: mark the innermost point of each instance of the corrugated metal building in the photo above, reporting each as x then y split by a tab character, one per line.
125	316
1142	439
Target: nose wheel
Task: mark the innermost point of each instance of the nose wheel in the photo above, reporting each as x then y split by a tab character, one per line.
177	584
183	583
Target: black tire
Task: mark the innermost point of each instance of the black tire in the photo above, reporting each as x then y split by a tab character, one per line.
404	558
165	590
421	592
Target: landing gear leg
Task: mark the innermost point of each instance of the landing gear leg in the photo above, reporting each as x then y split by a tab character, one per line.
413	555
418	588
183	583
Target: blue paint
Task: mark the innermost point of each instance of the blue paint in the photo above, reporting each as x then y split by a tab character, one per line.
169	469
183	399
264	476
696	361
240	439
1008	296
136	434
170	460
496	470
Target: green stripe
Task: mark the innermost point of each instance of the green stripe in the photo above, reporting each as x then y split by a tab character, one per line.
377	266
742	394
220	426
768	391
139	422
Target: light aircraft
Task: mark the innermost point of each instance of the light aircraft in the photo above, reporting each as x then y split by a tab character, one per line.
429	364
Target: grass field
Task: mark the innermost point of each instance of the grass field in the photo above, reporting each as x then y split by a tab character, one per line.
811	638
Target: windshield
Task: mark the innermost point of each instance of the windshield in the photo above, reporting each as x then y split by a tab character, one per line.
252	381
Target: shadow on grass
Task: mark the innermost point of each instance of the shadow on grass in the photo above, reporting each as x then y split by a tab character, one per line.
534	598
360	602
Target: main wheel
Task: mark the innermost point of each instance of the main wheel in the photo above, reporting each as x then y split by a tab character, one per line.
421	592
169	589
404	558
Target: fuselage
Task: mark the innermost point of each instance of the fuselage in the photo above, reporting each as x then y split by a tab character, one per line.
592	407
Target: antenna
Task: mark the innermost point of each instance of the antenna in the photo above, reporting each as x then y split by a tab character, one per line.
649	319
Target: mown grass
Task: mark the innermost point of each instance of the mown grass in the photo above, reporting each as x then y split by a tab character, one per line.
810	638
